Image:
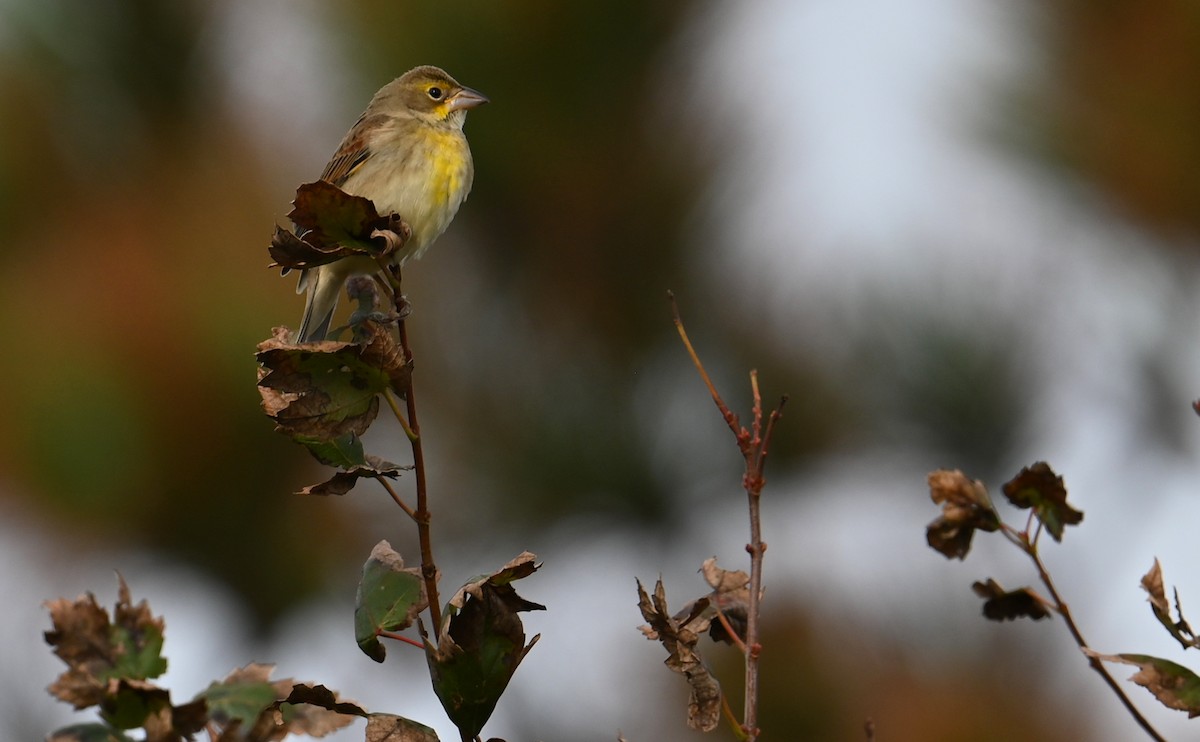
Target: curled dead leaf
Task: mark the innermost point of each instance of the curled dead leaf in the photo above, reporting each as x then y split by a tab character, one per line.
704	700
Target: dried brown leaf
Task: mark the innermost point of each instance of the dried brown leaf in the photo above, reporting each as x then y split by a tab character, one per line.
391	728
704	700
1004	605
1152	583
344	481
966	508
1038	487
1174	685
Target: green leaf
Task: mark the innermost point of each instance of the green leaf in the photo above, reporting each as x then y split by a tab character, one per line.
390	596
1038	487
1174	685
133	703
481	644
88	733
240	701
344	452
1152	583
138	655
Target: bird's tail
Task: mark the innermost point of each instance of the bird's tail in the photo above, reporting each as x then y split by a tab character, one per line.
323	287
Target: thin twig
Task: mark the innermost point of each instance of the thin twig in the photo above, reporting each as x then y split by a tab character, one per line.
754	482
401	638
730	418
727	711
412	429
754	446
1096	664
733	635
422	515
391	400
396	496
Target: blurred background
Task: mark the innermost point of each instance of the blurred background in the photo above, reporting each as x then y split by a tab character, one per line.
957	234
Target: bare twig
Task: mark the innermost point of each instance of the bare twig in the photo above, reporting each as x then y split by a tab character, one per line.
390	396
1096	664
396	497
754	445
1028	545
412	430
730	418
421	515
401	638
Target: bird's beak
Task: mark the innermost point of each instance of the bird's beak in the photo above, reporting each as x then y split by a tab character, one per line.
466	98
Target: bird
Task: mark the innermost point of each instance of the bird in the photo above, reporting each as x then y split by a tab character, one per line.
407	153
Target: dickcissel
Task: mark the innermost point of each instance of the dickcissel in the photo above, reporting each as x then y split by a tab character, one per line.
406	153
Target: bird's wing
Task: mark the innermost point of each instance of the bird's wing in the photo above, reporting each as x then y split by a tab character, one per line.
353	151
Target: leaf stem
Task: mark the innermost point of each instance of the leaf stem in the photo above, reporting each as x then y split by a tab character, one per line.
401	638
730	418
396	497
391	400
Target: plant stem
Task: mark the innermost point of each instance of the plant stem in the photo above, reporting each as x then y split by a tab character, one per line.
396	497
730	418
412	429
1097	665
401	638
421	515
754	447
755	452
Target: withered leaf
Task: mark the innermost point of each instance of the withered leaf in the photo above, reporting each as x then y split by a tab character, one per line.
325	390
390	597
391	728
316	710
322	697
966	508
704	700
332	225
1038	487
1004	605
290	252
730	598
1174	685
481	644
99	652
1152	583
92	732
344	481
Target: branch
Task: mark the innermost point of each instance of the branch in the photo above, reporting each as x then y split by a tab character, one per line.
412	430
754	447
1095	662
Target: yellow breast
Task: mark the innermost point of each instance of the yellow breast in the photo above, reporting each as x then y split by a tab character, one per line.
424	182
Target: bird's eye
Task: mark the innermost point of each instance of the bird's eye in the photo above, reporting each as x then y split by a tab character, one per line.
435	93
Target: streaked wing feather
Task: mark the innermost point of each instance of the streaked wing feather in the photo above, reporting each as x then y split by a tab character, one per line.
352	152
